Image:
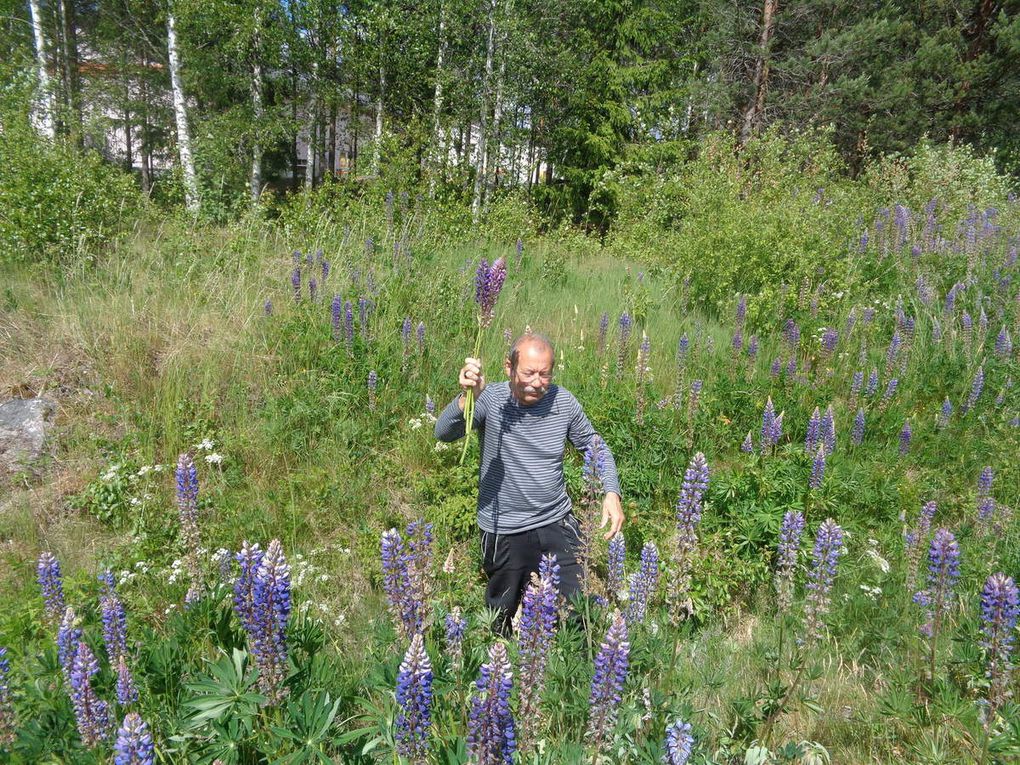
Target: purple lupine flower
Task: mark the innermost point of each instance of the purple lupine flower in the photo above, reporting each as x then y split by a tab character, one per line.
741	310
817	468
791	367
7	718
1003	343
267	309
419	539
369	247
967	324
827	430
693	398
813	428
984	483
271	606
944	414
872	383
364	306
325	270
857	432
977	385
430	406
336	309
936	330
454	629
893	352
51	586
405	336
68	635
349	325
777	429
127	693
851	321
738	340
679	743
488	284
830	338
492	737
537	630
603	330
905	436
421	337
642	584
396	581
617	557
549	569
594	469
414	697
373	382
868	315
91	714
791	334
309	258
983	324
187	501
752	347
625	325
747	446
786	557
890	390
999	611
114	619
296	256
520	250
824	559
134	742
690	500
313	289
249	558
611	665
914	539
295	283
950	303
768	421
776	367
406	565
943	573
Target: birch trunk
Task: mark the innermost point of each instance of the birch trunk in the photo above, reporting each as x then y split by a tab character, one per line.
439	145
761	72
377	149
43	109
257	110
191	198
476	198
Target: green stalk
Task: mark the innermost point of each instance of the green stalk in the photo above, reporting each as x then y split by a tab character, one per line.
469	399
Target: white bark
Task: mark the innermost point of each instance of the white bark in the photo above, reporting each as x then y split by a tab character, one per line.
44	108
313	130
377	148
481	146
191	198
257	110
439	158
497	114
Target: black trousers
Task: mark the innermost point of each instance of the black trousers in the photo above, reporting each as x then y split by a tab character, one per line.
509	560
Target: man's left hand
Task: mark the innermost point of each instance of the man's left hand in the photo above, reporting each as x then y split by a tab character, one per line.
612	513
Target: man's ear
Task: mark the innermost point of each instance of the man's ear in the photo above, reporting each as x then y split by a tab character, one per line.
506	367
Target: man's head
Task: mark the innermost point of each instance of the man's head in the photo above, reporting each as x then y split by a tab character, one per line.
529	365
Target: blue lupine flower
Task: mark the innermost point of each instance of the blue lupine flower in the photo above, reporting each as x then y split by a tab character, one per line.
872	383
419	541
267	309
127	693
791	367
813	428
617	556
1003	343
984	483
611	666
520	250
892	352
594	469
539	611
549	569
752	347
983	324
600	346
689	503
488	284
51	585
738	340
786	557
944	414
325	270
7	718
890	390
741	310
976	386
936	330
313	289
776	367
943	573
336	308
249	558
747	446
492	737
134	742
818	468
91	714
999	611
791	333
405	335
373	382
349	325
679	743
857	432
454	629
68	636
830	338
827	430
295	283
114	619
405	576
271	606
414	697
625	324
187	501
913	540
824	560
968	327
642	584
768	421
905	435
693	398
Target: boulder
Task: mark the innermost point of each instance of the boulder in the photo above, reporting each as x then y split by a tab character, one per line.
24	423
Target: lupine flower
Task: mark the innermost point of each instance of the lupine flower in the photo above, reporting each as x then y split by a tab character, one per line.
127	693
791	367
405	336
747	446
421	337
488	284
851	322
114	620
336	309
313	289
752	347
134	742
968	328
890	390
777	429
791	333
419	539
824	559
295	282
693	398
983	324
414	697
603	330
768	422
872	383
593	469
976	386
537	629
814	425
943	573
999	610
905	435
430	406
51	585
786	557
776	367
737	342
267	309
91	713
271	605
857	432
913	540
454	628
249	558
642	584
611	666
984	483
830	338
492	737
679	743
520	250
625	325
68	636
373	381
936	330
944	414
349	325
827	430
1003	343
741	310
397	583
617	557
818	468
296	256
7	719
309	259
187	501
325	270
689	507
364	306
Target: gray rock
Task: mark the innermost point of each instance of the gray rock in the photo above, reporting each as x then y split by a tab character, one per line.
24	423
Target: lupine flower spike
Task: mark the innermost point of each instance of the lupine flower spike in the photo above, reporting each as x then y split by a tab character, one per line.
611	667
492	736
414	698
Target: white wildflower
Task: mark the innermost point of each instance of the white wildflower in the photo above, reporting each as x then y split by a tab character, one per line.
214	458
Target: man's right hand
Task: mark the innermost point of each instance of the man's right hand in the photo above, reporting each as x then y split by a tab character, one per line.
471	378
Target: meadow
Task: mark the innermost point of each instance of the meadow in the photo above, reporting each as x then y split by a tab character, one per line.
246	545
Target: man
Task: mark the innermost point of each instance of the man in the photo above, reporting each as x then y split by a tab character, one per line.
524	511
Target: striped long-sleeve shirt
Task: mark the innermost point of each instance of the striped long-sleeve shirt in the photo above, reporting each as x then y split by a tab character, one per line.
521	484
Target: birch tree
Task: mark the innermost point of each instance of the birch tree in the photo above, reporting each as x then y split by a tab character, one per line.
191	197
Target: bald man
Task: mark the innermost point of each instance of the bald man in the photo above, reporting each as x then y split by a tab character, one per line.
524	511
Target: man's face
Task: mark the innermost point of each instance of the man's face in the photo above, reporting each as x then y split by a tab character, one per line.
530	381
